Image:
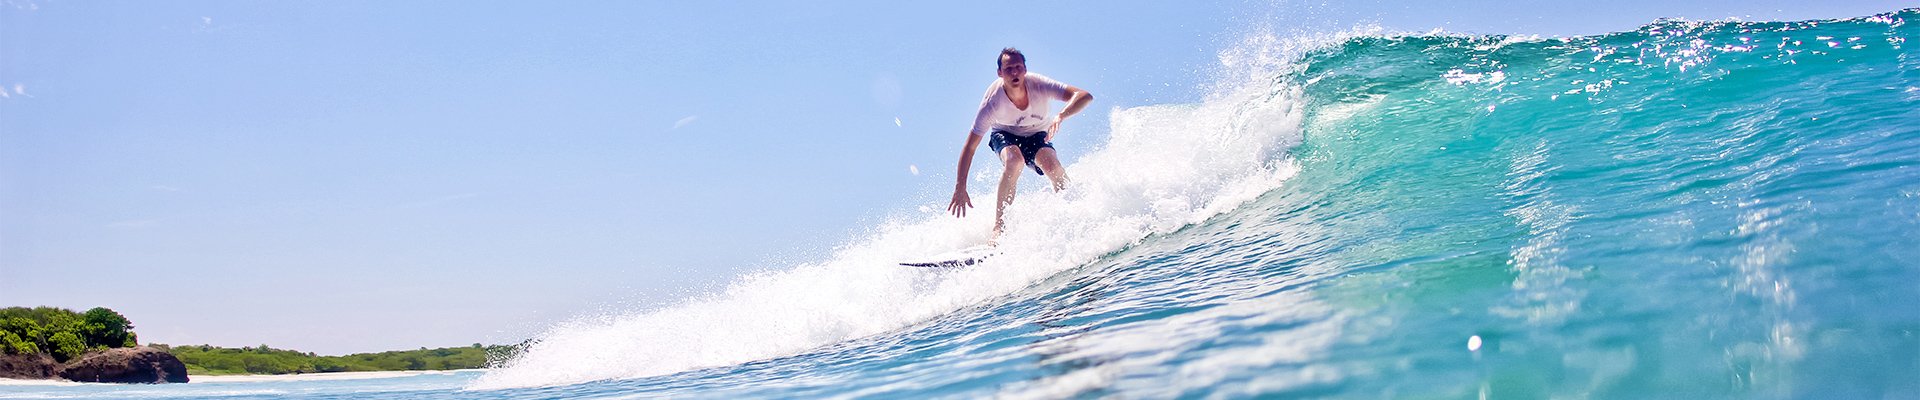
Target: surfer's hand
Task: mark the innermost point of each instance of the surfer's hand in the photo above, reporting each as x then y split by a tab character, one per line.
1054	129
960	203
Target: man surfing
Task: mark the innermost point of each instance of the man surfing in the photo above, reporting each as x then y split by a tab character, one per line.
1014	115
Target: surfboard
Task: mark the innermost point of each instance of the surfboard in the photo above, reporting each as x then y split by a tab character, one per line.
957	258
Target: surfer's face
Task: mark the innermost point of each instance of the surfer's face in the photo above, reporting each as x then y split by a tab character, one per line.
1013	69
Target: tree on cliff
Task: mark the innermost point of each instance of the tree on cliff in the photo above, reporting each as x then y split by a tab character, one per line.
65	346
20	335
107	328
62	333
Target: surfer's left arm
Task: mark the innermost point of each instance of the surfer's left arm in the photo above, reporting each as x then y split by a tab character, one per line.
1077	100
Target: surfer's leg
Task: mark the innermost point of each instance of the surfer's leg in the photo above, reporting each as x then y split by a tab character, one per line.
1009	180
1050	163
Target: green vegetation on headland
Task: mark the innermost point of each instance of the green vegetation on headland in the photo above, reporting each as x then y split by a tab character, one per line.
62	333
65	335
210	360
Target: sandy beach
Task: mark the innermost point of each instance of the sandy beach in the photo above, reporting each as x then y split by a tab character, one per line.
39	382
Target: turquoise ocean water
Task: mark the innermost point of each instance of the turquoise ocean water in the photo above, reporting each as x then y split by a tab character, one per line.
1684	210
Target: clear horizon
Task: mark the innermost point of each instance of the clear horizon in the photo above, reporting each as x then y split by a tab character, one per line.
354	177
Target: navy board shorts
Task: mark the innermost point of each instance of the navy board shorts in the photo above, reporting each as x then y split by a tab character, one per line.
1030	145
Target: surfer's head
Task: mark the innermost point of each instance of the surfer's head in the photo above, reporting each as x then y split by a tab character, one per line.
1012	65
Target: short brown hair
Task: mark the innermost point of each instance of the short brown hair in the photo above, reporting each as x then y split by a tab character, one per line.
998	61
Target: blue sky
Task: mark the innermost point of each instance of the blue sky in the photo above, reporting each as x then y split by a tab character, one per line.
364	176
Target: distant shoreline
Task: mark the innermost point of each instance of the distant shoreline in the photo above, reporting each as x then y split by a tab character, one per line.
316	376
323	376
211	361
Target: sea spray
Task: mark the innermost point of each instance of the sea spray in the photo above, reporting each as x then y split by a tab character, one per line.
1161	168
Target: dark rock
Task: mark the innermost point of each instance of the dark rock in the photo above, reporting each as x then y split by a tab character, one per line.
26	366
127	365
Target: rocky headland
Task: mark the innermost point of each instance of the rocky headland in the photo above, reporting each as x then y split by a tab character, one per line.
123	365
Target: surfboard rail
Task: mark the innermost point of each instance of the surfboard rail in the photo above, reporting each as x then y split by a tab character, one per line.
957	258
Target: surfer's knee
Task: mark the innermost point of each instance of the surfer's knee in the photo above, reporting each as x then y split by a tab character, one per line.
1011	158
1049	162
1048	159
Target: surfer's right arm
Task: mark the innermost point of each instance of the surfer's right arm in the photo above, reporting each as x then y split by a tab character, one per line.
982	122
960	199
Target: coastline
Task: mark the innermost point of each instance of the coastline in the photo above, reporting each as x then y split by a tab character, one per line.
4	382
318	376
322	376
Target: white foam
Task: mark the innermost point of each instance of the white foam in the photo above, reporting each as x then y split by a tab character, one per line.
39	382
1162	168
